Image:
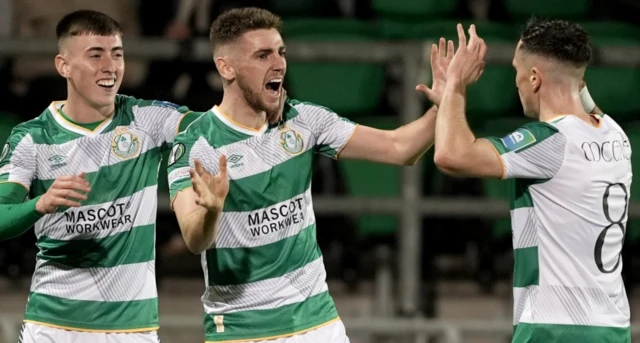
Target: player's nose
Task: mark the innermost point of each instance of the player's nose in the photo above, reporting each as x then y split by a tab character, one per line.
280	64
108	65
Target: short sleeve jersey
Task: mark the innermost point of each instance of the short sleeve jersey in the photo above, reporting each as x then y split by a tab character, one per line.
95	268
569	194
265	275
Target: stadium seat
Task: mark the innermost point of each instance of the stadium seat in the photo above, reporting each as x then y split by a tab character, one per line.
495	93
566	9
433	30
368	179
612	33
490	31
349	88
297	8
615	90
414	9
494	96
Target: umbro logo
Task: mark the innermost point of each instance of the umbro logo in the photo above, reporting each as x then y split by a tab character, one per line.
234	160
57	161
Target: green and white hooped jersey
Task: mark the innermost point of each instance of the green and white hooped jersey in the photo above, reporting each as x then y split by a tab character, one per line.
570	186
95	268
264	275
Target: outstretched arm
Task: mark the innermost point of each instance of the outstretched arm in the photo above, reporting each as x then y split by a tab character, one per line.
406	144
402	146
457	151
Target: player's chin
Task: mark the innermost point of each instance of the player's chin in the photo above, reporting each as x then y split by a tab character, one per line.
270	107
270	102
103	100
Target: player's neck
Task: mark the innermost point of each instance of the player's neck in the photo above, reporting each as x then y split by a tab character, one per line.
239	111
79	111
561	101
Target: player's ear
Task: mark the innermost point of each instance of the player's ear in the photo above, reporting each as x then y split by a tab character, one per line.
225	69
62	65
535	78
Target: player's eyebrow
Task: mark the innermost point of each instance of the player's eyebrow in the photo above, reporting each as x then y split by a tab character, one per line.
263	51
101	49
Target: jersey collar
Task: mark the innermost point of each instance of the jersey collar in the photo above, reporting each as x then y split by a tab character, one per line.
56	105
236	126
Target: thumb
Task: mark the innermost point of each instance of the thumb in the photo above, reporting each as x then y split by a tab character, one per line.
431	95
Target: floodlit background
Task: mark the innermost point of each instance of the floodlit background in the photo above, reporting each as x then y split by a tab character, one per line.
400	244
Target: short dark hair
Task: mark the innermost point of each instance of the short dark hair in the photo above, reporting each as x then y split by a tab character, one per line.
233	23
557	39
86	22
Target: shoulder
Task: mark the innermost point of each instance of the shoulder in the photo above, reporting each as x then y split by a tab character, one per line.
35	127
605	118
528	136
200	123
309	111
305	106
132	103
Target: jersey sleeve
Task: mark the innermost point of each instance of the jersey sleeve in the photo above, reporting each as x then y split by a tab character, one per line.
533	151
18	159
332	132
164	119
178	164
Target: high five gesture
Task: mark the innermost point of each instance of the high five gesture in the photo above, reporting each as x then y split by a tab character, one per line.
468	62
440	60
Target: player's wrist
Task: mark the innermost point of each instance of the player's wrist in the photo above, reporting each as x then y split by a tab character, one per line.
215	207
587	101
40	207
455	85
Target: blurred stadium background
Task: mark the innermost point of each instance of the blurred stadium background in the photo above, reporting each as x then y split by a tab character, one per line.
412	255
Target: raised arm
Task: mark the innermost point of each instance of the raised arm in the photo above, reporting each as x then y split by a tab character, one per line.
457	151
199	207
197	191
406	144
535	150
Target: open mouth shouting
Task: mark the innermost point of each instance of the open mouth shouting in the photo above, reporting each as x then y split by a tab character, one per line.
273	86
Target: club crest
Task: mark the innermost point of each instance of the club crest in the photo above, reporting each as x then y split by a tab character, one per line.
291	141
125	144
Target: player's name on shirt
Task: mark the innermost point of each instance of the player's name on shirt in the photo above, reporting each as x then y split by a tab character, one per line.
613	150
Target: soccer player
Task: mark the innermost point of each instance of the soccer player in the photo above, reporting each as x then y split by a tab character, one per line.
85	172
570	174
240	188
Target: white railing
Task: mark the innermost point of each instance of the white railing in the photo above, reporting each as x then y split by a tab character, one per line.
410	207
